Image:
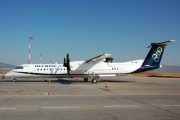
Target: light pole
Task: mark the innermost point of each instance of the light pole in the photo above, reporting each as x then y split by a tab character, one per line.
40	58
30	38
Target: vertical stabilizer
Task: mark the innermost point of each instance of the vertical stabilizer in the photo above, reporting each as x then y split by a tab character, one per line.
153	58
155	54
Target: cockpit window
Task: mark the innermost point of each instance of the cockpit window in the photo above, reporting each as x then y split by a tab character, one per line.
19	67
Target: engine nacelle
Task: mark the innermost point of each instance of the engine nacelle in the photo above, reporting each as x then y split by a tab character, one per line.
109	59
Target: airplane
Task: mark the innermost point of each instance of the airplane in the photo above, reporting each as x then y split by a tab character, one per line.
94	68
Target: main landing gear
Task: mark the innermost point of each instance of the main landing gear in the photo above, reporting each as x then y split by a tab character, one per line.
94	79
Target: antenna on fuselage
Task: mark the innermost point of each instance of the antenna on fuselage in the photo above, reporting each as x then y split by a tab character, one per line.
40	58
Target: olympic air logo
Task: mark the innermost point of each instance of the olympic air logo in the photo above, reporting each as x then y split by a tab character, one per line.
157	54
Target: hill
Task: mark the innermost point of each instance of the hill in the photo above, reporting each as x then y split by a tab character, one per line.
167	69
4	65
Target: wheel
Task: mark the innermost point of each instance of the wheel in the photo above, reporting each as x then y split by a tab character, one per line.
94	81
85	79
15	80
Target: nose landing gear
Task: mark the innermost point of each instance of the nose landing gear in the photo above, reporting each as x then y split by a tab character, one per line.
94	80
14	80
85	79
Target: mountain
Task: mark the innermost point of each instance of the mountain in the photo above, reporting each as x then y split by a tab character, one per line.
4	65
167	69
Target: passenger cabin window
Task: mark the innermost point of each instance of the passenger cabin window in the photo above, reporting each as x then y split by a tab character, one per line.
19	67
114	68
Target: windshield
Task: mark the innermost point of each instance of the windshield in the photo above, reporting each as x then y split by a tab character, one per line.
19	67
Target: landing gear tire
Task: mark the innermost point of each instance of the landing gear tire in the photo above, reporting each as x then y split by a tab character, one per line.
85	79
94	81
14	80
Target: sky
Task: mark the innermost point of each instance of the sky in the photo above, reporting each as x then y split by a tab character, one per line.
86	29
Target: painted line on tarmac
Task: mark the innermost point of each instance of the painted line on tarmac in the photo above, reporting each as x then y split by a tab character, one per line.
119	106
62	107
45	94
149	94
170	105
8	108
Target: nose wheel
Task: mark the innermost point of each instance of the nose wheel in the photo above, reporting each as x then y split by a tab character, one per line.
14	80
94	80
85	79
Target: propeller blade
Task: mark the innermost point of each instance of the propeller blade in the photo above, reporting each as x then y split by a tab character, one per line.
64	62
67	64
68	56
68	72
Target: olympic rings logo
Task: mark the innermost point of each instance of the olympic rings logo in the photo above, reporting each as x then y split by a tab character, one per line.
157	54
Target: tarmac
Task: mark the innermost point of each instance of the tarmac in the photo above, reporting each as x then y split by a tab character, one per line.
112	98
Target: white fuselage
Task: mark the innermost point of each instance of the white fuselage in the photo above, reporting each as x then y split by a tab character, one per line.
95	67
78	69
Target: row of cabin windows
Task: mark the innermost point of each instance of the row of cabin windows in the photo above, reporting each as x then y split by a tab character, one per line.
63	69
51	69
114	68
45	65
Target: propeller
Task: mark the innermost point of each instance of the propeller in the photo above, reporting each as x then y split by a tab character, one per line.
67	63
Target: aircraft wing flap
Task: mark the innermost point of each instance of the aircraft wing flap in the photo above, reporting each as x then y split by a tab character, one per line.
97	58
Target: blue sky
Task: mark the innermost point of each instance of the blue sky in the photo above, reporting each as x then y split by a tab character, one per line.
87	28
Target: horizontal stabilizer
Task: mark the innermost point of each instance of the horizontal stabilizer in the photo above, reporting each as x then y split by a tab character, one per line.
162	43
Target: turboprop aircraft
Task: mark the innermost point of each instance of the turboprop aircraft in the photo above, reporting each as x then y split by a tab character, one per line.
94	68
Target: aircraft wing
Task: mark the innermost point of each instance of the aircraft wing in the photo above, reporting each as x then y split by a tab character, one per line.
97	58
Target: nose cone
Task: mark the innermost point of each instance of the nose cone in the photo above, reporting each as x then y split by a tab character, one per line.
9	74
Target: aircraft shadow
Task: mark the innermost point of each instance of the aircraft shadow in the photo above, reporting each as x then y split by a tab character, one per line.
28	80
116	81
68	82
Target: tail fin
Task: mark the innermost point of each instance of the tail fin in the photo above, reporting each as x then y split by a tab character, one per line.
155	54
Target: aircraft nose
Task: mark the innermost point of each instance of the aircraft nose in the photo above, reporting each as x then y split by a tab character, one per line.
8	74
